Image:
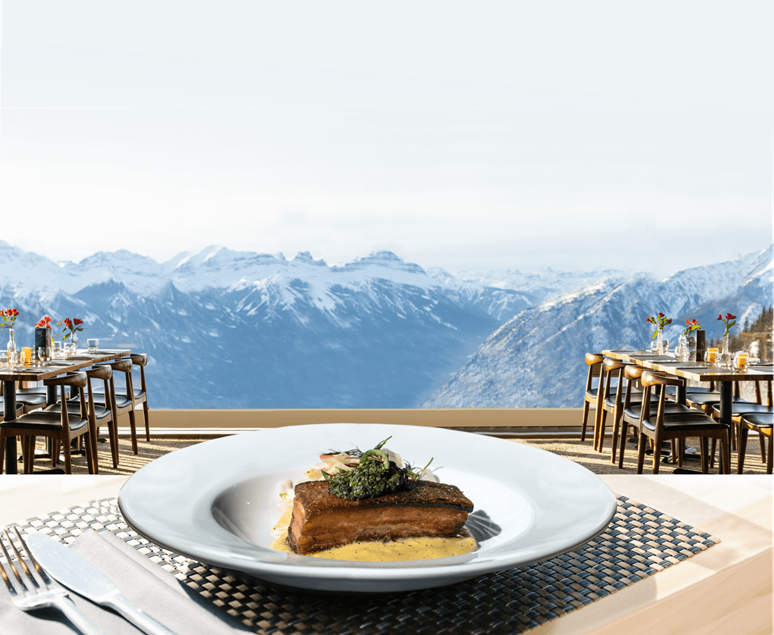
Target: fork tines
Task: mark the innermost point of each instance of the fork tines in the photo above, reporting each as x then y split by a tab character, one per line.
19	566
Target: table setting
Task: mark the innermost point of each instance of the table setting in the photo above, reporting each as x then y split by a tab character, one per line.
558	541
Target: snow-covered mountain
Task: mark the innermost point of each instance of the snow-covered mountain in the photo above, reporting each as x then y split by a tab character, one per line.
227	329
240	329
539	285
536	358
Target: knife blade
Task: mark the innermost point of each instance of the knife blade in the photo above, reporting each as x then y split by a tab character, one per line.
79	575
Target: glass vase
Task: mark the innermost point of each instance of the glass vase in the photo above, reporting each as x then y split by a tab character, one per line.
657	343
681	351
11	348
725	353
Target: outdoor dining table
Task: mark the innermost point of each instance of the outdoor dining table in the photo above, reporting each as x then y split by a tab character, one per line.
9	375
726	588
698	372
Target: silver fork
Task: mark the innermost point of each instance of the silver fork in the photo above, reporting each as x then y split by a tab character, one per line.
35	589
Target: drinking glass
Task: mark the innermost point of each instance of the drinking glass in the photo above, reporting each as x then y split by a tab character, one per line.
27	352
664	346
42	355
740	361
654	347
57	350
711	355
93	344
3	358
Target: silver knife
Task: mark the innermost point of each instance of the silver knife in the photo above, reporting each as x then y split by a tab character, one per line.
79	575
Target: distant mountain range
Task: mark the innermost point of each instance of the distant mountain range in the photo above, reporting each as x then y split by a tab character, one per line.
536	359
227	329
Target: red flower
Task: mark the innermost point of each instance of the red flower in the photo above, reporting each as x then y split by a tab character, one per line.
8	317
45	323
78	322
661	315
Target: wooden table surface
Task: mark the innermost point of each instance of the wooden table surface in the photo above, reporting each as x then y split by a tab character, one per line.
695	371
56	367
725	589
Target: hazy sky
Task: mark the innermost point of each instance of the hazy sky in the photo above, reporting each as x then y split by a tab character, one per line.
467	135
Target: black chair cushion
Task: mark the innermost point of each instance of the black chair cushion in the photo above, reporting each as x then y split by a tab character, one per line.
703	399
34	390
632	414
31	399
760	420
74	407
44	421
19	409
743	407
122	401
686	423
692	390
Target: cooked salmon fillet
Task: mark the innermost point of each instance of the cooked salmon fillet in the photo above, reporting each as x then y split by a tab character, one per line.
322	520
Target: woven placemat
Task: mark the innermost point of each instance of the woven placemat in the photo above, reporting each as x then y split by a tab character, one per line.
639	542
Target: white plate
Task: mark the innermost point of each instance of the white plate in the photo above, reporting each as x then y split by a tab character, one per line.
216	502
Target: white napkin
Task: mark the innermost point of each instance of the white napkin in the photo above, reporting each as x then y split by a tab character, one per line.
143	583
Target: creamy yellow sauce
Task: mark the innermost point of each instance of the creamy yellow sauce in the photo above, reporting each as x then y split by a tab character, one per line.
424	548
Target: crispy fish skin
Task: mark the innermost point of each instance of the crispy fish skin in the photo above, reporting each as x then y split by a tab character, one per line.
322	520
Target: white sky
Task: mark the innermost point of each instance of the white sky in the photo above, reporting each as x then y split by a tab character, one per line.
467	135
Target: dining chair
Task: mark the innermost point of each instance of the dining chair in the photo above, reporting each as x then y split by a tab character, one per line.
631	412
592	394
62	426
739	408
99	414
614	380
660	427
122	402
141	394
761	423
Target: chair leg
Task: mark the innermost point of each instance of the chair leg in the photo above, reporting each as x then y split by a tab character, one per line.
762	441
680	452
28	453
742	449
704	447
67	456
145	411
597	424
54	452
657	454
641	453
624	427
725	455
133	425
93	442
601	432
712	453
89	454
586	406
2	453
614	445
113	427
769	462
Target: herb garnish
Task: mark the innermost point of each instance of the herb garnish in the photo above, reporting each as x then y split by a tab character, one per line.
375	475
